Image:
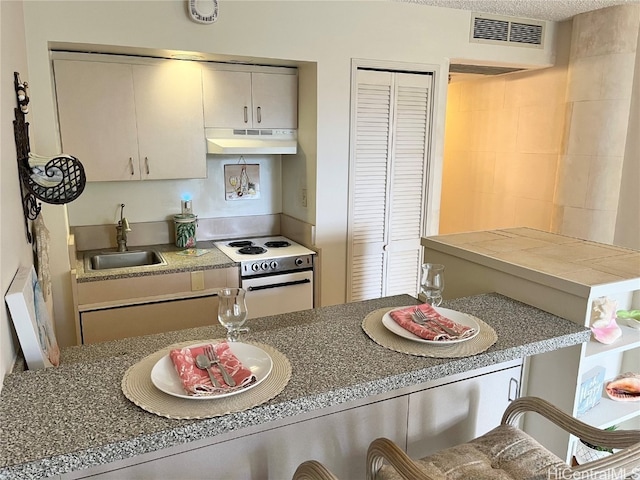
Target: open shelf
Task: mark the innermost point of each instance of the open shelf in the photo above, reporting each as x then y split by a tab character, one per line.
477	262
630	339
610	412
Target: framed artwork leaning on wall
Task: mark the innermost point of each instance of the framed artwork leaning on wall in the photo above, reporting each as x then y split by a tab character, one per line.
32	321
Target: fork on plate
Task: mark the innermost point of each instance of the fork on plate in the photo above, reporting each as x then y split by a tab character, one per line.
420	318
213	357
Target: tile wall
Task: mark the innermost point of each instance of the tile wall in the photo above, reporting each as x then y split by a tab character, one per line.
545	149
503	139
599	92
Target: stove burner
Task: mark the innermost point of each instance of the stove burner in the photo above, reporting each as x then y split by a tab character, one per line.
252	250
277	244
241	243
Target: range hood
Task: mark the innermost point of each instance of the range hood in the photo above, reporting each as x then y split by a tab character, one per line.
251	141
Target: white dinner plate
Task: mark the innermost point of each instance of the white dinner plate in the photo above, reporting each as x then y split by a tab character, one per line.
459	317
166	379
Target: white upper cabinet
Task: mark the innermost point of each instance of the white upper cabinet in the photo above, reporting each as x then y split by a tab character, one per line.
97	117
170	122
275	100
241	99
227	98
132	122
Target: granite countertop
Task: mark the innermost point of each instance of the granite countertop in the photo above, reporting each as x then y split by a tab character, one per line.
176	262
75	416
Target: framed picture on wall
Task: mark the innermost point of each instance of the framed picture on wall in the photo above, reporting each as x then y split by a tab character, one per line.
32	321
242	181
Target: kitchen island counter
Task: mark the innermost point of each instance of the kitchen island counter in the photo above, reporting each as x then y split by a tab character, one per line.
75	416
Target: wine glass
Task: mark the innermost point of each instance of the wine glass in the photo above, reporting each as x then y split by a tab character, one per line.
432	283
232	311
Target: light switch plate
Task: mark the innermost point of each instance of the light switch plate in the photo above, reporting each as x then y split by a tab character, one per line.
197	281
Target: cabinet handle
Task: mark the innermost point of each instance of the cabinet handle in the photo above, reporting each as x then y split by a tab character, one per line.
514	389
246	114
131	165
146	164
259	114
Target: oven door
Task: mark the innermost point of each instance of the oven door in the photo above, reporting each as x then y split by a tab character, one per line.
277	294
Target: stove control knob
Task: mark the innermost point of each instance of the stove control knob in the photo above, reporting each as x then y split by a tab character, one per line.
273	264
255	267
265	266
299	262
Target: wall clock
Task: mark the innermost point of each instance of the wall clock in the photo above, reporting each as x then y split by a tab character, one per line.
203	11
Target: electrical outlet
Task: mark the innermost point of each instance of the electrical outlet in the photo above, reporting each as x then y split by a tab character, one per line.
197	281
304	197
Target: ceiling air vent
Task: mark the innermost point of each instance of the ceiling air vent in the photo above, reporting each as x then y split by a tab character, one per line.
482	69
507	31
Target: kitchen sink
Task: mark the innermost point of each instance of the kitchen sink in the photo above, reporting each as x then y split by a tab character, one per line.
134	258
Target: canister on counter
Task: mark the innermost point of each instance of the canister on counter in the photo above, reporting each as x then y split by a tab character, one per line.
185	228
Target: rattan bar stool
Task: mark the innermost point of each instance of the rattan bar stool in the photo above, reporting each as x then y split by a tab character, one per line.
313	470
506	452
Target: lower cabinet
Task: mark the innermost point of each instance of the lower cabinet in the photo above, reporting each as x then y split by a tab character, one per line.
136	320
456	412
425	417
133	306
339	440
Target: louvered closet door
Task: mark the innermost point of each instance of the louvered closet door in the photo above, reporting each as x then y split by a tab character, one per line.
388	178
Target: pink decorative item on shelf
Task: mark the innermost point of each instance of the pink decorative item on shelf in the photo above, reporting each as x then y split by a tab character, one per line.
603	320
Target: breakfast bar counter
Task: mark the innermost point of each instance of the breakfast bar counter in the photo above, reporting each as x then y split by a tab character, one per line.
74	420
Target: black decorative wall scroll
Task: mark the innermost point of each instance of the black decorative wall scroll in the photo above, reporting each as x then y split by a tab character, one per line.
57	180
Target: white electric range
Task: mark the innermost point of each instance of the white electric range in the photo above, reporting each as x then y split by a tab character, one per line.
276	272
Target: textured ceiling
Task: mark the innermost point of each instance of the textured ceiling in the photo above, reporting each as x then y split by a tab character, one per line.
554	10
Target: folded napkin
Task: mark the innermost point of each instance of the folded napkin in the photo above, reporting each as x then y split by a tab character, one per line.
196	381
430	330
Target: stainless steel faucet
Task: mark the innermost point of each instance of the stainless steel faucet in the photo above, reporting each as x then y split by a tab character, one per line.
121	231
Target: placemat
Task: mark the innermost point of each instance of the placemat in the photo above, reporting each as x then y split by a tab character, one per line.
372	325
138	387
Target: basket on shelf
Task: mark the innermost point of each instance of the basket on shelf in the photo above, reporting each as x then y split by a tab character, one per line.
585	452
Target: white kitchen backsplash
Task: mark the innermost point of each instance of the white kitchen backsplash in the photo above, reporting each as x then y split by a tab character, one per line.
91	237
159	200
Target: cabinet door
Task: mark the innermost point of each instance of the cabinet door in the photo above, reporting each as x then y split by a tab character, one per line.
123	322
168	101
97	118
227	98
275	100
339	440
457	412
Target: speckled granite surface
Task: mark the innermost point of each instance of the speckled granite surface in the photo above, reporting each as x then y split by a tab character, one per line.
75	416
176	263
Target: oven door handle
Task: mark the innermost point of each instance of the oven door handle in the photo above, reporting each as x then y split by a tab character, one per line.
277	285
